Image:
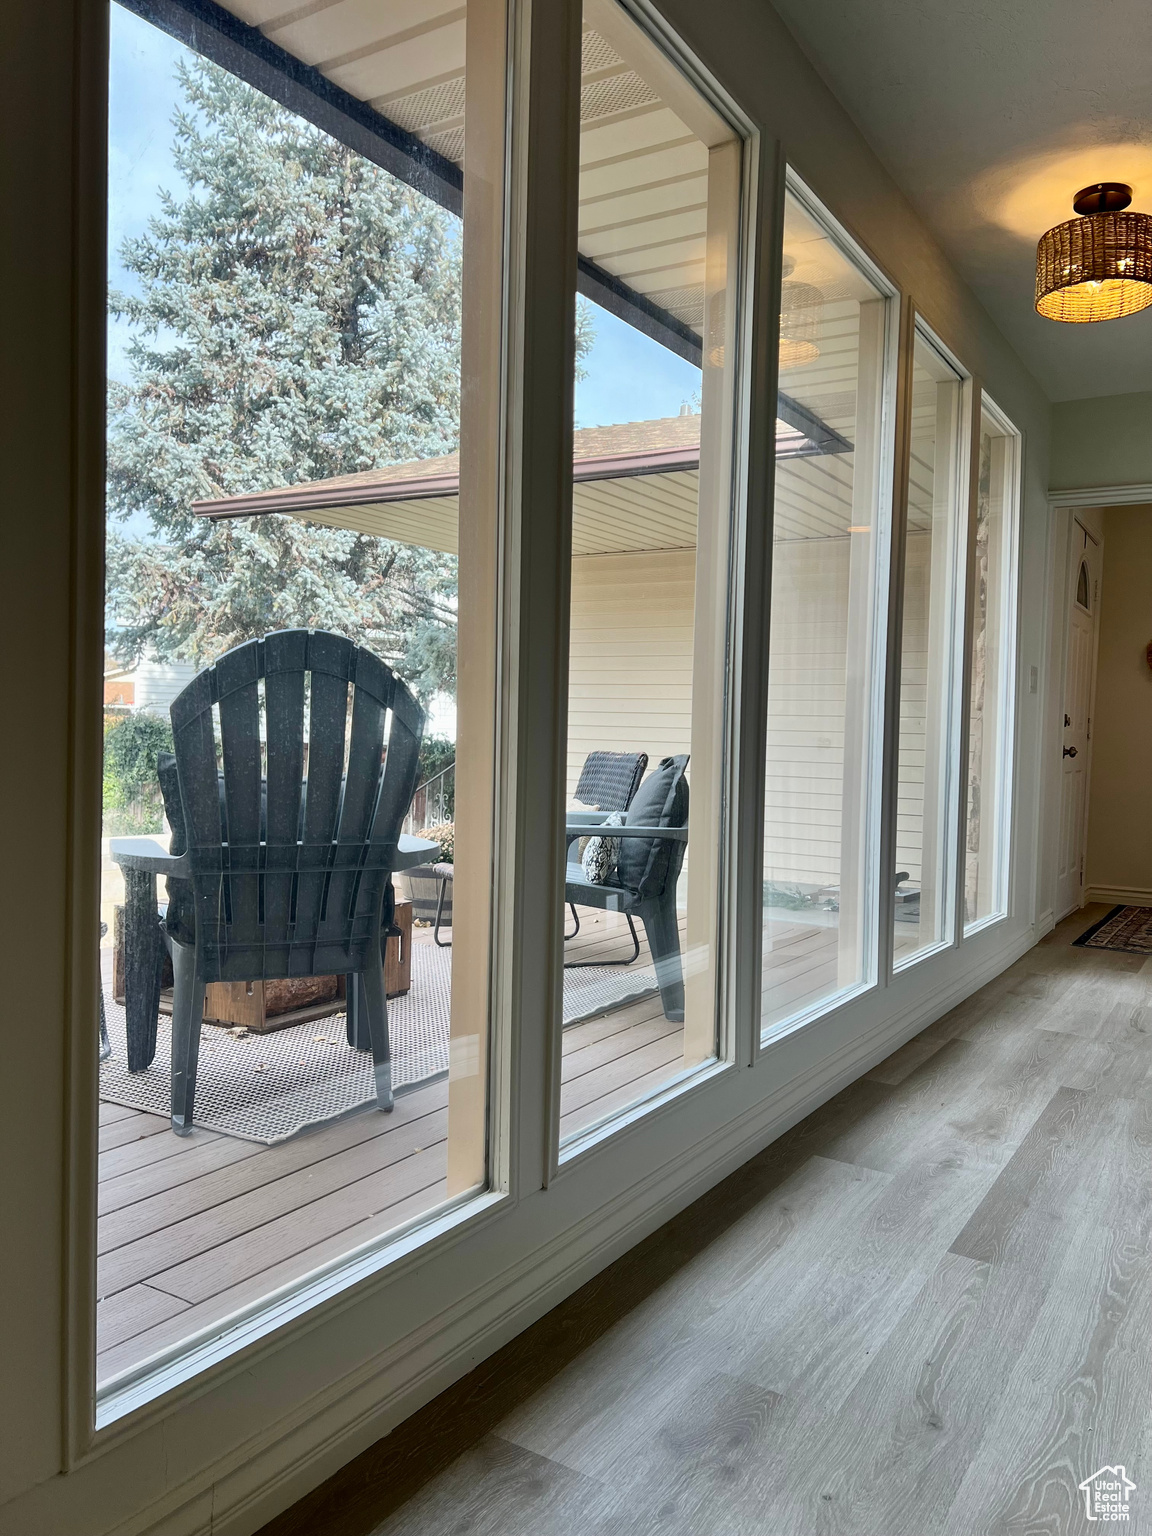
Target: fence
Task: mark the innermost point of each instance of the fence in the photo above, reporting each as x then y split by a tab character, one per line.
434	802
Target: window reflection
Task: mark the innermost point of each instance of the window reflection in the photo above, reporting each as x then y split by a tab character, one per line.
829	558
659	201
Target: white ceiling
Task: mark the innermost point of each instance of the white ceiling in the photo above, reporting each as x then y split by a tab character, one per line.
991	114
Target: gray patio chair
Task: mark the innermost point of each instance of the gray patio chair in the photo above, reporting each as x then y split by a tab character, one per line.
608	781
286	868
652	844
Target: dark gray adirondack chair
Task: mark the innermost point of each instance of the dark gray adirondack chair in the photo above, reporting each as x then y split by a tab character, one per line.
288	862
652	844
607	782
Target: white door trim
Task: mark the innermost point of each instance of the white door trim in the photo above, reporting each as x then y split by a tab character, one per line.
1102	496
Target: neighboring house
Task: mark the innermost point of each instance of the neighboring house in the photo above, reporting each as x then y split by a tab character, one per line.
151	685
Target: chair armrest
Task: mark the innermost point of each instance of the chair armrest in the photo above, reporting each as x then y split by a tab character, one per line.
675	834
146	856
581	823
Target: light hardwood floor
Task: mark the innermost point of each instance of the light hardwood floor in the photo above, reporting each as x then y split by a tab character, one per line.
925	1311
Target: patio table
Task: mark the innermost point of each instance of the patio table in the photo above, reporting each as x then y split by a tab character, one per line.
141	859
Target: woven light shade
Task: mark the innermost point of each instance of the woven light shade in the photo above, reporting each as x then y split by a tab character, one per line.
800	308
1098	267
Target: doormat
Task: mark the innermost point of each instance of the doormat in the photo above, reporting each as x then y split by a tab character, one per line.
1126	929
267	1088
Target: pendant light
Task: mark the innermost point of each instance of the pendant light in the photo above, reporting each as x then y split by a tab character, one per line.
1098	266
800	308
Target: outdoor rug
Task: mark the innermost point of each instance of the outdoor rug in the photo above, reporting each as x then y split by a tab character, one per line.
269	1087
1128	929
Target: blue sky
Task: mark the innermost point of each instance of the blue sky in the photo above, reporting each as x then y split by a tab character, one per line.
629	376
141	100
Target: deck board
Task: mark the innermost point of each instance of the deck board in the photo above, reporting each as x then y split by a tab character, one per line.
201	1249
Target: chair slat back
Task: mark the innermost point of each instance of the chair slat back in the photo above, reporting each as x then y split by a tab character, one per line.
285	668
291	861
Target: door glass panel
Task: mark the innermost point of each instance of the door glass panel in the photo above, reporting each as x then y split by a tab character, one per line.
829	564
923	884
288	571
992	704
660	176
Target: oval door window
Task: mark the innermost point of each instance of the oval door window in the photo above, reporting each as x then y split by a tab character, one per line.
1082	588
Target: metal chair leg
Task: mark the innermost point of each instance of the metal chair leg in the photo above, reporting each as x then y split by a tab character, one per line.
105	1043
575	919
574	965
443	943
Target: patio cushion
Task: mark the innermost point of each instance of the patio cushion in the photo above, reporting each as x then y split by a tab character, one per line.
661	801
599	857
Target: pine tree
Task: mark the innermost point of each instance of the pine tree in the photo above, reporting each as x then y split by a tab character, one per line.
298	317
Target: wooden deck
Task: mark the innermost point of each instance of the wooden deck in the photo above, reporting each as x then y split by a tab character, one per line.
192	1228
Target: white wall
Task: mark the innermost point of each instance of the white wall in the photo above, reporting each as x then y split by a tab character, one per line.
1119	849
1104	441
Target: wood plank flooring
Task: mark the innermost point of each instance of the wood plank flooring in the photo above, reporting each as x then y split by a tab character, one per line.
926	1309
191	1228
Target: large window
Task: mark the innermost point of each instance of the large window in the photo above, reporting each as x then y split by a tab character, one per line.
928	778
993	669
659	220
829	579
299	664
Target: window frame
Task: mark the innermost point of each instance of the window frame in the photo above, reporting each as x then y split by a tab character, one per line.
984	405
98	1416
749	383
958	648
884	653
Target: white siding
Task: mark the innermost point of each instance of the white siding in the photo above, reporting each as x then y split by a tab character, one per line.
630	678
913	705
806	697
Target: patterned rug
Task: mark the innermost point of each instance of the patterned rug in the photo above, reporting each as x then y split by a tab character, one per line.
1127	929
267	1088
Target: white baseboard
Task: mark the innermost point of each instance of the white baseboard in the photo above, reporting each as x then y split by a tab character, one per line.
1120	896
1045	923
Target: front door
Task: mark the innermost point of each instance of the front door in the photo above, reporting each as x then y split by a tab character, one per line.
1079	685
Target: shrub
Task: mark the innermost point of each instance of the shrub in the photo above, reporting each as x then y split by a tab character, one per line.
132	802
445	836
436	754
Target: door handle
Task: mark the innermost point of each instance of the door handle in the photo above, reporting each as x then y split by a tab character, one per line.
1069	751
